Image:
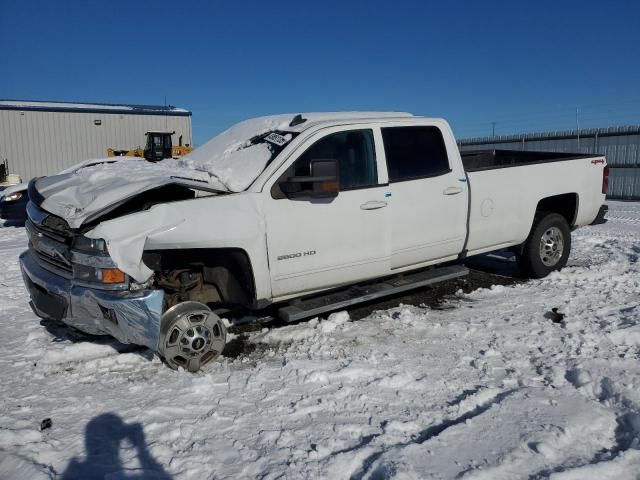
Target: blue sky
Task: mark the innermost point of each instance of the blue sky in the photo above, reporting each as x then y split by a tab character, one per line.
525	65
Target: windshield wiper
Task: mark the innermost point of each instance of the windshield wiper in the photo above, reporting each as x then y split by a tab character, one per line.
191	179
202	184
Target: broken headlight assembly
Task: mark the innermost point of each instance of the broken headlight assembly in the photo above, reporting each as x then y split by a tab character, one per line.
109	276
90	245
94	265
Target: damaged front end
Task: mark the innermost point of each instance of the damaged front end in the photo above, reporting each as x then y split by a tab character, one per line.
92	278
120	249
72	278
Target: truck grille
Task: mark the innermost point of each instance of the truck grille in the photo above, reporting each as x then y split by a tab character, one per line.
50	241
53	264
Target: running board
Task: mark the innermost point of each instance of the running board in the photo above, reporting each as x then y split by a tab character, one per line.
310	307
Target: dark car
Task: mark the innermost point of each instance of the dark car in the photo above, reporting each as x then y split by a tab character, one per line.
13	205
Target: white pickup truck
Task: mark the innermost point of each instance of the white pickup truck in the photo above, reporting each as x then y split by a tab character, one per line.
307	213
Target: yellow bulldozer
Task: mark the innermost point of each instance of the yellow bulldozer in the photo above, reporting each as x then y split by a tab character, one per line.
158	147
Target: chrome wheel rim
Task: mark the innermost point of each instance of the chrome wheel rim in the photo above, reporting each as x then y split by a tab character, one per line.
551	246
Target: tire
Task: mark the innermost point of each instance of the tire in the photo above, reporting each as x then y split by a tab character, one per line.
191	336
547	247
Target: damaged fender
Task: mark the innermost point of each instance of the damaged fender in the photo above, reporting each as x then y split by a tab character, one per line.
127	236
233	221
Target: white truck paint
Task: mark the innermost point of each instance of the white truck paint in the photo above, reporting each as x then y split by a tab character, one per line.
300	244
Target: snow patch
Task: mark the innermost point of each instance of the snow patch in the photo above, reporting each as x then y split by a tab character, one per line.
76	352
18	437
625	466
626	336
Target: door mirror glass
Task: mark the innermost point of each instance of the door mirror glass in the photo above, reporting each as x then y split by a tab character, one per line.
323	181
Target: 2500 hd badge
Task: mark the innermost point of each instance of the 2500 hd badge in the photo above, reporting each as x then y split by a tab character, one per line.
296	255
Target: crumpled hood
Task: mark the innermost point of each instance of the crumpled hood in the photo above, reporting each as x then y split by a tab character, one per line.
82	195
227	163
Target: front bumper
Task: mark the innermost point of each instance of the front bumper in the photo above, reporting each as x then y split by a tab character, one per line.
130	317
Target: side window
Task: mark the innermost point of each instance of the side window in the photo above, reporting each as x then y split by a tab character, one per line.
414	152
356	155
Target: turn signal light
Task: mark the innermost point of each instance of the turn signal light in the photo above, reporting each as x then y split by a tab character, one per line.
329	186
112	275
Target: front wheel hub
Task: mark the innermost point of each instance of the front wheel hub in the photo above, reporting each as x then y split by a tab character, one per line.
192	336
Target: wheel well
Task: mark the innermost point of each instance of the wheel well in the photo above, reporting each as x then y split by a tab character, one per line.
220	276
565	204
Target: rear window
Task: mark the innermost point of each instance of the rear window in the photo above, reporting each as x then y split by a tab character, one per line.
414	152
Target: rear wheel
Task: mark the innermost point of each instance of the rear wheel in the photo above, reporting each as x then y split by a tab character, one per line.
191	336
548	246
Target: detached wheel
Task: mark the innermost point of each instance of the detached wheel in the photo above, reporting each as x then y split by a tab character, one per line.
548	246
191	336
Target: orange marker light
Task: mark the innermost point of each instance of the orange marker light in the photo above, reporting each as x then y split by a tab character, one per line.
329	186
112	275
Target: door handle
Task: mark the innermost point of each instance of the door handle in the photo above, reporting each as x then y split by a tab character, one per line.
373	205
452	190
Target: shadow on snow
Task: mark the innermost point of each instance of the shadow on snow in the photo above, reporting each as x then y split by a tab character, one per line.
106	437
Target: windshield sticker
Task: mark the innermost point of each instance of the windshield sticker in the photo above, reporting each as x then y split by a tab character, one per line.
276	139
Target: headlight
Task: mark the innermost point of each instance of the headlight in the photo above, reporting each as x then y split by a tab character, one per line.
86	273
12	197
93	245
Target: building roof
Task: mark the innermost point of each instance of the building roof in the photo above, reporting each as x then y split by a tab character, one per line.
130	109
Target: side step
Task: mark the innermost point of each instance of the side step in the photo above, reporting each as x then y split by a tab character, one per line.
310	307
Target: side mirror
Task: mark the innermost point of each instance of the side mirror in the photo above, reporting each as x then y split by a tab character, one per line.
322	183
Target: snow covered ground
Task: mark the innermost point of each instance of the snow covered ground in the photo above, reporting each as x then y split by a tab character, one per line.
488	387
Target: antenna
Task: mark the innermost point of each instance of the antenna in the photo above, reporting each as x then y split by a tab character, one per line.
297	120
166	120
578	124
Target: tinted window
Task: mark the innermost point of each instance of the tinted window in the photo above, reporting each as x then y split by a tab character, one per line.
355	152
414	152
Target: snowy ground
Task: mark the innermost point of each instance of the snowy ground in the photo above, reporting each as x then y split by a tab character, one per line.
487	388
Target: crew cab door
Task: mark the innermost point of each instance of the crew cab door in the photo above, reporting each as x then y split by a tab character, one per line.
318	243
429	194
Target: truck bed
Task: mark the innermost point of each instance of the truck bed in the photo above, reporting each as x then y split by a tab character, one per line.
503	200
478	160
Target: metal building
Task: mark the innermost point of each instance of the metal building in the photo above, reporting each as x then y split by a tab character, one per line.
42	138
621	145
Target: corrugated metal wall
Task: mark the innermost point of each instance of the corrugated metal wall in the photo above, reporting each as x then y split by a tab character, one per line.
40	143
621	146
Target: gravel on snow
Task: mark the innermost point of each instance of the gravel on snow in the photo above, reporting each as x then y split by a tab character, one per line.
487	386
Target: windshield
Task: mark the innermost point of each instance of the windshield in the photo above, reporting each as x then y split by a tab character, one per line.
237	156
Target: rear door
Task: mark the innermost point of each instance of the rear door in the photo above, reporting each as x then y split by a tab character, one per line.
429	195
315	244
